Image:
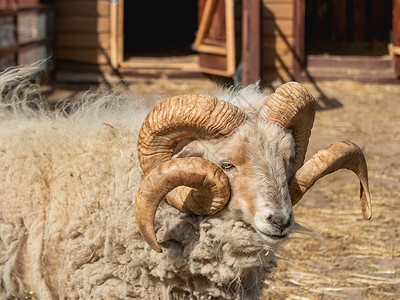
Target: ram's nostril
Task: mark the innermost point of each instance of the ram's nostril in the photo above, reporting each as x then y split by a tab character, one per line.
279	222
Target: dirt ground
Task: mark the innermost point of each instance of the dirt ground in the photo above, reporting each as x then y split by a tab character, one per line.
358	259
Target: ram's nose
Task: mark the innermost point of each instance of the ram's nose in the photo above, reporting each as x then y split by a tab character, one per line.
280	222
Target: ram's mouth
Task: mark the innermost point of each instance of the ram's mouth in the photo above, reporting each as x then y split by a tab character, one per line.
277	236
273	237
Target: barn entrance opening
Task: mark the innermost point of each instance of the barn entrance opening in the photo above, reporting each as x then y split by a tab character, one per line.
349	39
348	27
154	31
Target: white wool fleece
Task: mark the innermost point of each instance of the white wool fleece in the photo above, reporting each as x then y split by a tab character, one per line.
67	227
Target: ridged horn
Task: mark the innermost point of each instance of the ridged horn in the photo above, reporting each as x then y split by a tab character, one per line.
181	117
210	190
292	107
176	119
337	156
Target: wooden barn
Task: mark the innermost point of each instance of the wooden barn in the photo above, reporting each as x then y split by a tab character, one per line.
240	39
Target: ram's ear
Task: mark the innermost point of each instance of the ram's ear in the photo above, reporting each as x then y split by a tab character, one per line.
193	149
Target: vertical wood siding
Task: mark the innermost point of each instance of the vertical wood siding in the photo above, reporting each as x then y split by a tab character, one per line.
277	39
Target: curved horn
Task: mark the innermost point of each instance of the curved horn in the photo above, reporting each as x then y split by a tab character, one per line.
210	190
292	107
337	156
178	118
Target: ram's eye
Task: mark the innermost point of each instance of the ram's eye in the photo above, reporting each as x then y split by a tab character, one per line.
227	166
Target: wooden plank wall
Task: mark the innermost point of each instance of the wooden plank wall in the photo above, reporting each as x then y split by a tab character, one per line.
277	39
82	35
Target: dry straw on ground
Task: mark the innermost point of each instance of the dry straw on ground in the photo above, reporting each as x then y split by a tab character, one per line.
359	259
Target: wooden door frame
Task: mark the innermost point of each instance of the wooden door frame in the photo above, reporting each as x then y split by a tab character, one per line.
251	43
117	59
116	33
117	44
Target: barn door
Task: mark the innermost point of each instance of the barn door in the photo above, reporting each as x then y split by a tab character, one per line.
396	36
215	40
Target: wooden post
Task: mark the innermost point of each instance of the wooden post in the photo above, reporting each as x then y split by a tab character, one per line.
251	45
396	36
299	56
114	33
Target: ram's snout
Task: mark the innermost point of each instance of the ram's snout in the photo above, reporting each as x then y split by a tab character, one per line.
275	226
274	222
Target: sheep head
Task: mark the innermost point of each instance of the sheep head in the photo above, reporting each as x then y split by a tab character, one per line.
252	164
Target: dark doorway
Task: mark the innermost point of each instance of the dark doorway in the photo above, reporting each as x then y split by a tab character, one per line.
159	28
348	27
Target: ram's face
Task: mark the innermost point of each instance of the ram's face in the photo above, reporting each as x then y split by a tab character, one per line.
248	162
256	159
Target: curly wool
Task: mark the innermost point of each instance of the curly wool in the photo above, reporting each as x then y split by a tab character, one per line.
67	228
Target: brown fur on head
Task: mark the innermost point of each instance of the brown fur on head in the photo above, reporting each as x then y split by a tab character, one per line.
256	160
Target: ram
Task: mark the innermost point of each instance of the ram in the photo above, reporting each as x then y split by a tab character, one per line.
81	208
